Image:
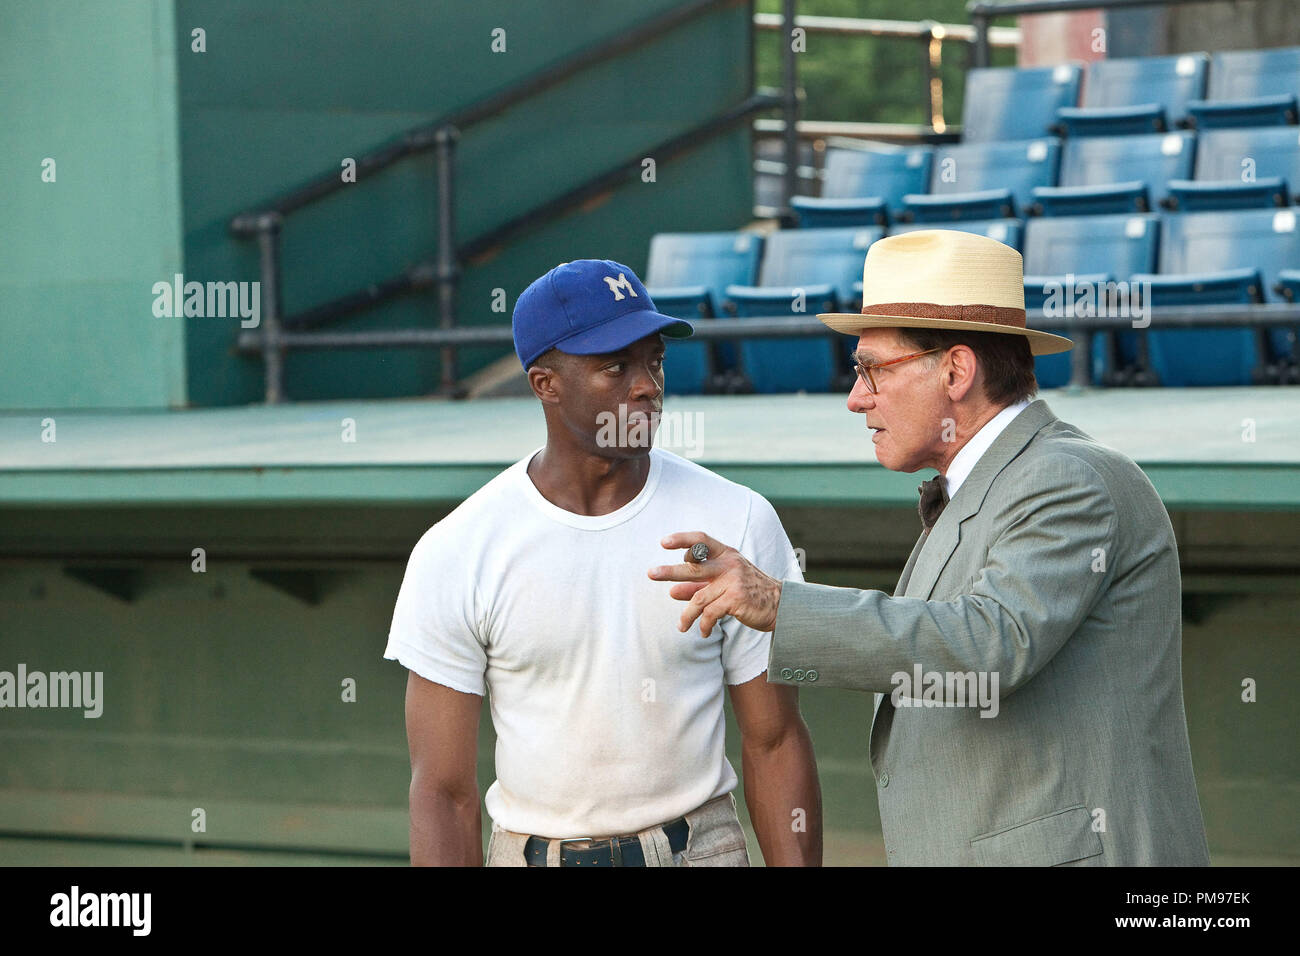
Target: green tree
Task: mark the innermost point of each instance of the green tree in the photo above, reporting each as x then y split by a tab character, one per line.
870	79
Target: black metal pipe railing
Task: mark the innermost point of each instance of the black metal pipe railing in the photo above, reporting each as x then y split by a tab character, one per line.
268	248
426	273
1161	318
266	222
982	13
447	274
789	116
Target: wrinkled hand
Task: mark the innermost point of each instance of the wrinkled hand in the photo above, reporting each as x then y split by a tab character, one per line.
724	584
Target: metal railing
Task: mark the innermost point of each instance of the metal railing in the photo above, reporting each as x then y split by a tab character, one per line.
278	333
1083	328
426	273
930	34
1172	317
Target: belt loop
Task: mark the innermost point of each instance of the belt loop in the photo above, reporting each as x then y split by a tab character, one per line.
553	850
616	851
655	847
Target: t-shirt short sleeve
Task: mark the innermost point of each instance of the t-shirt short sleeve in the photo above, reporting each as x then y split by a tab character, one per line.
765	544
435	629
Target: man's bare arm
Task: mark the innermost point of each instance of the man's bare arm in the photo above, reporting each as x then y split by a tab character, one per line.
782	791
442	732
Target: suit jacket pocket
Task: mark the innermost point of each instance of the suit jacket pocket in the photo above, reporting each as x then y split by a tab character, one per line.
1060	837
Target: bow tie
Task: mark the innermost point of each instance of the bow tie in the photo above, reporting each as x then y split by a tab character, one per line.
934	496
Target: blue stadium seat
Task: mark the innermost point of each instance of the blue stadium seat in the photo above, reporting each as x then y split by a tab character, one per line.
859	180
1196	250
1223	287
1241	168
688	366
1284	341
686	276
1008	103
804	271
1049	296
1112	246
985	180
1250	88
1117	174
1288	285
1147	94
1188	357
828	213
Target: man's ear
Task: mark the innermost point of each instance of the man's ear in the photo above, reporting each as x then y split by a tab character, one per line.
961	373
545	383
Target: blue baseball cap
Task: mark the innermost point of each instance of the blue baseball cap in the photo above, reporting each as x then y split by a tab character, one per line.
587	307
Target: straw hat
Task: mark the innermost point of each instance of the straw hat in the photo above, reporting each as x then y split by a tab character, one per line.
944	279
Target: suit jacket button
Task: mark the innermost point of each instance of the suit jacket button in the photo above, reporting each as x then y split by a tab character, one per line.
884	779
786	673
798	675
811	675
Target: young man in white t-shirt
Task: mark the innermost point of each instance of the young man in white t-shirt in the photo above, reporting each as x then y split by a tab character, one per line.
609	721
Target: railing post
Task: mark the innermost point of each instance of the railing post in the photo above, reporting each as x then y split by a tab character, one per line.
1081	360
448	274
938	35
790	114
268	243
980	21
927	74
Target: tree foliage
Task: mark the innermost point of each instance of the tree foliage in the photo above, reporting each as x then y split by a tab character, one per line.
870	79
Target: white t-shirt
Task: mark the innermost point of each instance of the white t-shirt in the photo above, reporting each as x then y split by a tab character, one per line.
608	719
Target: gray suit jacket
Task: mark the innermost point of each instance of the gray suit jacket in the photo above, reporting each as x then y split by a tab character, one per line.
1053	569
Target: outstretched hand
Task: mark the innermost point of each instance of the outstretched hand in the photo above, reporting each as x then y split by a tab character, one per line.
726	583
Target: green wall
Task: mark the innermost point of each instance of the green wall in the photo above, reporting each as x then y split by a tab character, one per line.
223	692
92	86
158	145
285	92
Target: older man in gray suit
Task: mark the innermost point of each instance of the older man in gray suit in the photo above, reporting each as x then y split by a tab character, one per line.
1028	666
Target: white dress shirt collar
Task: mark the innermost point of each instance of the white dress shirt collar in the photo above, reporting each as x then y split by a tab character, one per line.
964	461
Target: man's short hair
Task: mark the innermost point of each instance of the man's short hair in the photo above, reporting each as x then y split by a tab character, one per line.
1007	362
551	358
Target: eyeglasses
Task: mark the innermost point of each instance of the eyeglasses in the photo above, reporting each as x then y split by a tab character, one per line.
864	371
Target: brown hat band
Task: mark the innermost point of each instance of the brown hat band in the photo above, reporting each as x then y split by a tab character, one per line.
994	314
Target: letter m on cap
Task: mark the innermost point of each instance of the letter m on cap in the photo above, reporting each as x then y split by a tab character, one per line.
620	283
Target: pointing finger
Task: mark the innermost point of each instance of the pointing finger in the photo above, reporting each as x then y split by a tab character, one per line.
684	539
685	572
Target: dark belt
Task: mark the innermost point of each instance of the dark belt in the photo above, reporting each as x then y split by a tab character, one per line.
616	851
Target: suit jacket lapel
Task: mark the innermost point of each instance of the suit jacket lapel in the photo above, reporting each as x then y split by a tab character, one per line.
946	534
932	551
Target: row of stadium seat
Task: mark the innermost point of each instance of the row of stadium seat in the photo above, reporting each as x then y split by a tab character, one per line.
1193	258
1248	167
1133	95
